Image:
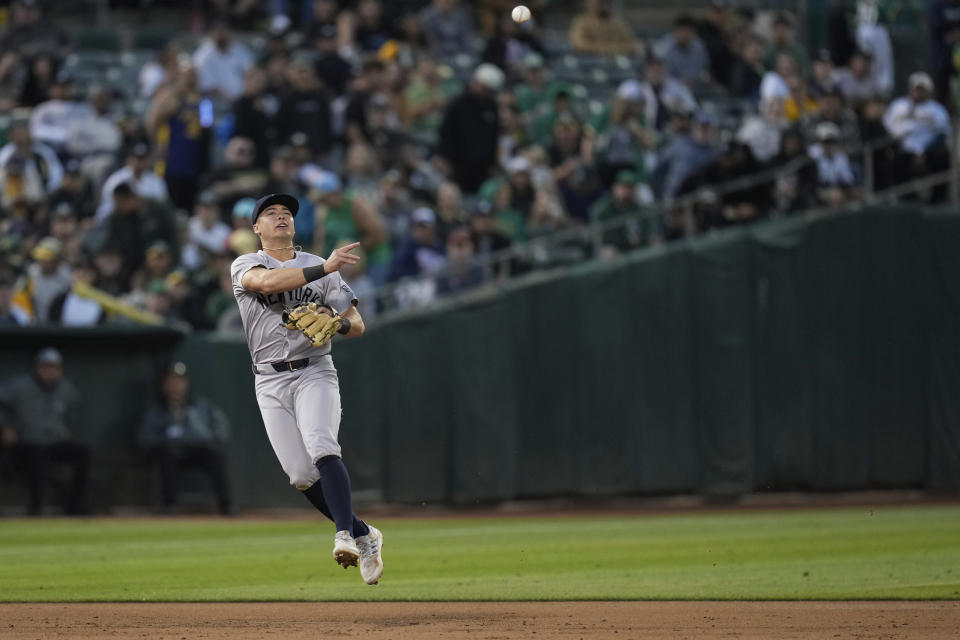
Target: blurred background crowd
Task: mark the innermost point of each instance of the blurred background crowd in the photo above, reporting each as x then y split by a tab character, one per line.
458	147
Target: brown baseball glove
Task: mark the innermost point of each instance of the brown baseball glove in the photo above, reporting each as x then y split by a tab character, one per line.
318	323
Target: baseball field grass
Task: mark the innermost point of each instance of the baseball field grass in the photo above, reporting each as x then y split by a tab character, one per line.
838	553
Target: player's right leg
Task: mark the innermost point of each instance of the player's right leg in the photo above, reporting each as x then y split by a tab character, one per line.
275	397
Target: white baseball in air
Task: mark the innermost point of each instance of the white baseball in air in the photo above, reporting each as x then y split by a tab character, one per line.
520	13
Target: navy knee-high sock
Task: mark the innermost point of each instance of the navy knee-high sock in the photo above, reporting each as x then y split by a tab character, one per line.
335	488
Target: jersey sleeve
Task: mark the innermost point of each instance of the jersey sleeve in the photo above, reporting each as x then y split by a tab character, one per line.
338	294
240	266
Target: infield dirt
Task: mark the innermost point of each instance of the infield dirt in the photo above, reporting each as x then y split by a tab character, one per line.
483	620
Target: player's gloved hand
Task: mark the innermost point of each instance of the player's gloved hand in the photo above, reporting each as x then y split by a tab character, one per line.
315	322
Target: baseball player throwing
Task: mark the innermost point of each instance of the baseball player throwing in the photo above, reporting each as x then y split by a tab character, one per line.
292	303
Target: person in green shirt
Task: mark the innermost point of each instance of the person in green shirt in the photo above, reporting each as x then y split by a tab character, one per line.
622	201
427	96
341	214
537	95
783	39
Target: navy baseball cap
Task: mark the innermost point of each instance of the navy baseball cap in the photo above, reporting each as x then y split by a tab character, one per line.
276	198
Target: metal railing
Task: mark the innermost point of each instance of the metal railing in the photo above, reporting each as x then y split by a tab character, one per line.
577	244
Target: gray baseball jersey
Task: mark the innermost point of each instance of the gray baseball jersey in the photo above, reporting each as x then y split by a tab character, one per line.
301	409
268	340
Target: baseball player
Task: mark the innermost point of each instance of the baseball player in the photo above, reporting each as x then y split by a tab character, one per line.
292	303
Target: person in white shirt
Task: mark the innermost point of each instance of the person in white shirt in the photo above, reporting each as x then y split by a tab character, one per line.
917	120
774	82
835	174
51	121
206	229
659	92
35	155
221	63
921	126
138	174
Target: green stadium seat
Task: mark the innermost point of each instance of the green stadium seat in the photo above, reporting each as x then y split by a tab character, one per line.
96	39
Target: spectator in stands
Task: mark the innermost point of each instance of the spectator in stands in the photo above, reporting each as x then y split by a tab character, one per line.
619	203
462	271
39	161
857	81
715	31
943	21
365	28
822	78
831	108
12	77
253	114
137	223
599	30
137	172
306	108
50	121
186	431
448	28
221	63
799	103
371	81
511	43
628	141
449	209
65	228
31	35
774	82
662	94
795	186
692	148
748	69
10	315
468	133
783	39
37	413
421	253
77	191
571	159
332	69
341	214
159	71
537	94
238	177
72	310
242	13
47	277
725	206
921	126
157	264
488	240
207	231
427	95
762	132
112	277
181	117
40	76
835	174
22	186
684	53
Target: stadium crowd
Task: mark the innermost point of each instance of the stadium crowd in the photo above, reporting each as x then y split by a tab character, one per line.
364	111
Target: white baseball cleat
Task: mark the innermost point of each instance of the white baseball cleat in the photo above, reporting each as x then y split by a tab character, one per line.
345	550
371	560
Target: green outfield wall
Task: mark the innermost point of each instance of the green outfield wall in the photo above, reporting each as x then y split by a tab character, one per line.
801	354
